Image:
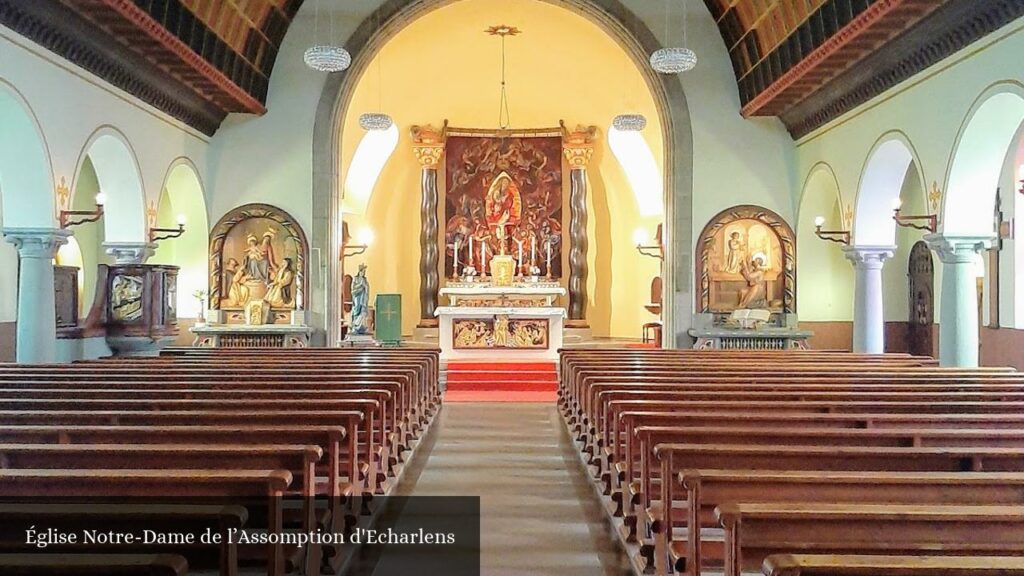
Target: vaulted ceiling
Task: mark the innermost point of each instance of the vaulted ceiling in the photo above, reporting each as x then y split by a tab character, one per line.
805	61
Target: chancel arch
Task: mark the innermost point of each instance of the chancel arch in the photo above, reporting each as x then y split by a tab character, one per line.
541	96
824	278
182	201
668	132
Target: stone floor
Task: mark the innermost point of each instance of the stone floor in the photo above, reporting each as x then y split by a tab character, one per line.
539	512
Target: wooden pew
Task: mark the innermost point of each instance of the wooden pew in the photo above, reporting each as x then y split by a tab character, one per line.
755	531
93	565
864	565
133	518
706	489
159	483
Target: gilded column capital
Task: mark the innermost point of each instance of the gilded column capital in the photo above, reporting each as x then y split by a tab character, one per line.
428	146
578	146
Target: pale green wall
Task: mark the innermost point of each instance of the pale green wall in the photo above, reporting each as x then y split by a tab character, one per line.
8	277
184	195
90	236
929	110
824	276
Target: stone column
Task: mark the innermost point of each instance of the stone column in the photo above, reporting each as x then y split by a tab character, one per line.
130	252
578	147
37	315
868	321
958	315
428	146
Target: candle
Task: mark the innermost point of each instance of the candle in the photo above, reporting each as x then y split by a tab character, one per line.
455	267
549	258
470	250
533	251
520	262
483	256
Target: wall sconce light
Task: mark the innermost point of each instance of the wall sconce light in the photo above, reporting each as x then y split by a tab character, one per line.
363	242
656	250
1021	175
908	221
837	236
158	234
87	215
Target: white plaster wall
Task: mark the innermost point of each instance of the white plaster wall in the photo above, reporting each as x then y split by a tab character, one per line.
72	104
928	110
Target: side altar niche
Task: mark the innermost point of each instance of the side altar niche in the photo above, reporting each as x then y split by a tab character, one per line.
746	283
259	265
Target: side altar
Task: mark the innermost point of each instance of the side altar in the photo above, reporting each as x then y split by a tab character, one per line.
521	321
746	283
259	263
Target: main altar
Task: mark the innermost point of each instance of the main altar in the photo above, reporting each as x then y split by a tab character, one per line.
518	321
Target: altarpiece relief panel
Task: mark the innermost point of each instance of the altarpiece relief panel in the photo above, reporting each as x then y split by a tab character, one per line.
258	264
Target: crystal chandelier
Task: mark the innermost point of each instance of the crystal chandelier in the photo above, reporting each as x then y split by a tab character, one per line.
673	60
629	122
375	121
327	58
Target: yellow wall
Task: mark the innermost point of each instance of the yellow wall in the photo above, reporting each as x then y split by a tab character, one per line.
562	67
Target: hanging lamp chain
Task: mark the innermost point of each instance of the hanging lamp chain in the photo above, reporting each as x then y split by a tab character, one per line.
504	116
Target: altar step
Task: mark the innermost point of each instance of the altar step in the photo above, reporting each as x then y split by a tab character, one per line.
502	381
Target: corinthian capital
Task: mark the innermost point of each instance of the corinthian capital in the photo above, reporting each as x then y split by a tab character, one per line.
428	145
578	146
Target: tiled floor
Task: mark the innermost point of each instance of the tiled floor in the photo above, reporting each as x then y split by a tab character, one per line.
539	512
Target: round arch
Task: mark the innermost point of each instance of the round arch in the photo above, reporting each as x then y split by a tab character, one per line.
120	180
881	182
982	144
612	17
182	195
26	173
824	277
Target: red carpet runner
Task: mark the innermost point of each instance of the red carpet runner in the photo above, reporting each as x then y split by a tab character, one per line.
502	382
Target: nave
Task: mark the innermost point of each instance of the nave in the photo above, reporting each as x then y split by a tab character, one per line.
652	462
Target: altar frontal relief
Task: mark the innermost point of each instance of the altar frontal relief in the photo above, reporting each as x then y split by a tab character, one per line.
501	332
504	191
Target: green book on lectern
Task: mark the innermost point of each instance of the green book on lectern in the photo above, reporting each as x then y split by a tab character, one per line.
388	319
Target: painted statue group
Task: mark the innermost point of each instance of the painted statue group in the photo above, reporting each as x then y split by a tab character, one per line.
260	275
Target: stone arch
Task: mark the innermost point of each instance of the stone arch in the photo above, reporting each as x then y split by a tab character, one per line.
120	180
982	144
26	173
825	277
611	16
183	193
881	182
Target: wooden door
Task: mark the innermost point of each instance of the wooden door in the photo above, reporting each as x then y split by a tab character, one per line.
921	277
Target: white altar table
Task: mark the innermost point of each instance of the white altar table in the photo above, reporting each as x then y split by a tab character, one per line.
520	295
491	333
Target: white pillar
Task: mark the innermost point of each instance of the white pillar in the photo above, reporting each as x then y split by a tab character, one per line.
958	315
130	252
37	316
868	321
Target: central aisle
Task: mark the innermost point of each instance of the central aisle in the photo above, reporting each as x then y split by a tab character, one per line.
539	511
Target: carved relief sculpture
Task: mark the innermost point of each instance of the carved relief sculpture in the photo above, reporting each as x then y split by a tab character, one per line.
747	260
500	332
257	253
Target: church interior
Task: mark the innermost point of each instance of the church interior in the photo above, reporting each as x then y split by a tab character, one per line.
527	286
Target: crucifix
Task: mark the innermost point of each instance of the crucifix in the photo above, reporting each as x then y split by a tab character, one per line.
1004	230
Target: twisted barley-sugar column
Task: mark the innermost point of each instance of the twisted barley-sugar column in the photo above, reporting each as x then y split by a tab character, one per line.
578	148
429	148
